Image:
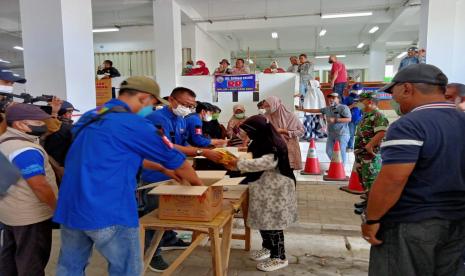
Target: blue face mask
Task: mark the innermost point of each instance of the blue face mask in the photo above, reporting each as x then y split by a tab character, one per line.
145	111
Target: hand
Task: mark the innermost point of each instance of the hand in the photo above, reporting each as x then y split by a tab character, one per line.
370	149
56	105
369	233
212	155
219	142
283	131
232	165
298	108
332	120
332	85
171	174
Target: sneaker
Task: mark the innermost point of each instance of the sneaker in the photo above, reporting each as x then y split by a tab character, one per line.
178	245
272	265
157	264
260	255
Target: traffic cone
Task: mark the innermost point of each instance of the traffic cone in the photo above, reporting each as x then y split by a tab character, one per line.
312	165
336	168
355	186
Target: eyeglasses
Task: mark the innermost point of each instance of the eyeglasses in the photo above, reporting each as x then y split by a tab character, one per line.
186	105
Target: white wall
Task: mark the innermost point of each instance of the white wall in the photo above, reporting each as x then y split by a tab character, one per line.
208	50
126	40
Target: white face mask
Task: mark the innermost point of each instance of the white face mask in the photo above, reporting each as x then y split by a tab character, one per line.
6	88
181	111
262	111
208	118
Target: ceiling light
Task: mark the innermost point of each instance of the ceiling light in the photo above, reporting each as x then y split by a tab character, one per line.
401	55
322	57
4	61
274	35
341	15
322	32
105	30
360	45
373	30
339	56
18	48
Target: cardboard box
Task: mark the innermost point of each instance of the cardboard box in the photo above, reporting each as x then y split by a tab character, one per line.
193	203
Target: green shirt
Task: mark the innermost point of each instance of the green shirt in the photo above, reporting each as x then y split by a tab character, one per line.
372	122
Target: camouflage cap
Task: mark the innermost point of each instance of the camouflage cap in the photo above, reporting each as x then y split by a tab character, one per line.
368	95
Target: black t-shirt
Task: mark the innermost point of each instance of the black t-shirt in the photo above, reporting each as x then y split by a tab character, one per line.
112	71
58	143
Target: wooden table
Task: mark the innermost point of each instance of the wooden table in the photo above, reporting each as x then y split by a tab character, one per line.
235	198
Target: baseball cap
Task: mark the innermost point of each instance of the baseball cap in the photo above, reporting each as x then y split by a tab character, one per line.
334	94
417	73
224	60
143	84
369	95
21	111
357	86
65	107
415	49
7	75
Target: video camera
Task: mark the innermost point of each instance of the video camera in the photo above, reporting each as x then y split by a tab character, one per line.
7	98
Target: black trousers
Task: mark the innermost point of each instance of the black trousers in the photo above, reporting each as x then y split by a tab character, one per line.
25	250
273	240
430	247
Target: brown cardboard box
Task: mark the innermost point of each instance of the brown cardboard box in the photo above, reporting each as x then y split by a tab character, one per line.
193	203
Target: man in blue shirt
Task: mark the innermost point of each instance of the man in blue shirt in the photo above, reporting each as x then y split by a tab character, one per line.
415	219
194	124
413	57
96	202
351	102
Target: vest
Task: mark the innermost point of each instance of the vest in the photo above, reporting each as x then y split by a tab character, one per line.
20	206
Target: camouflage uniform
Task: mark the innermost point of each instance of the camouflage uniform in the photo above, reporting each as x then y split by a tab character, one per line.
367	165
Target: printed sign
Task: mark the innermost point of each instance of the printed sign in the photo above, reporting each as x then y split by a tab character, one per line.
236	83
103	91
380	95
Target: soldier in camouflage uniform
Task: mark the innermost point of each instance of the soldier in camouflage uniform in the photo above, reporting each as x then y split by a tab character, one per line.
370	132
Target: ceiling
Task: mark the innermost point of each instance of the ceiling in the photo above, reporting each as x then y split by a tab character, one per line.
243	24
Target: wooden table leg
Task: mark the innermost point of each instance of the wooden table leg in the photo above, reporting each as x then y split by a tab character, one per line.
142	241
152	248
172	268
245	212
216	251
226	245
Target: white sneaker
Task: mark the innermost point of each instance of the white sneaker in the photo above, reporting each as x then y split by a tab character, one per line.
272	265
260	255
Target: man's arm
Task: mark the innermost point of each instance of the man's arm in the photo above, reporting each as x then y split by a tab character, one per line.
42	190
187	172
309	110
192	151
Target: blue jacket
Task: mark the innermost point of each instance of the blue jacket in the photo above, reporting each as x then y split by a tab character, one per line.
194	131
356	112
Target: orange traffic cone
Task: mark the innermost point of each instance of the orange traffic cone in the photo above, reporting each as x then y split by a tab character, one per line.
336	168
312	165
355	186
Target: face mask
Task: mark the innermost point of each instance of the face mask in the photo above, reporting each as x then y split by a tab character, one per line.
6	88
215	116
37	130
182	111
208	118
360	105
189	66
395	105
333	104
145	111
330	61
239	115
262	111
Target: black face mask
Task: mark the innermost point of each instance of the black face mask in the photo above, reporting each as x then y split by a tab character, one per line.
37	130
330	61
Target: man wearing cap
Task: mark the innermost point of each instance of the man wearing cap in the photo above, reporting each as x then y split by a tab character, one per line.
456	93
96	203
412	58
339	117
224	68
370	132
415	219
28	205
7	79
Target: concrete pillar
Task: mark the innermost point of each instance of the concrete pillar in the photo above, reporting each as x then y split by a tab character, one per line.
377	61
58	49
443	34
168	46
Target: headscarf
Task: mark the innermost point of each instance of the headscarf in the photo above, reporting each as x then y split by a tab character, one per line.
280	117
202	70
234	122
266	140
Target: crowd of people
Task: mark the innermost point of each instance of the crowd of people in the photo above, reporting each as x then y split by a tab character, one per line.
82	176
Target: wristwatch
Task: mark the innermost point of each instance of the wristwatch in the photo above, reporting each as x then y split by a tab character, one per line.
368	221
199	152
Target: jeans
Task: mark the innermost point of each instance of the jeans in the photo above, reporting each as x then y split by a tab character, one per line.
339	88
352	127
119	245
343	140
429	247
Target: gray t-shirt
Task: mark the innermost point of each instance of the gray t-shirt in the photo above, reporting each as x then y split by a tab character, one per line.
338	111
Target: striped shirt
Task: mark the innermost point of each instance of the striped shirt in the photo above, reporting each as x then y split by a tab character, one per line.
433	137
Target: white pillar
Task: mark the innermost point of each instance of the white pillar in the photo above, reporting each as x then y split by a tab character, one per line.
168	47
58	49
377	61
445	36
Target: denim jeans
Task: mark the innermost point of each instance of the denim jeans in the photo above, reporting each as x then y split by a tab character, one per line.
119	245
343	140
352	127
339	88
428	247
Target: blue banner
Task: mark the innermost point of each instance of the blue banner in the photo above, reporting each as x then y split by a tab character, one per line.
379	95
235	83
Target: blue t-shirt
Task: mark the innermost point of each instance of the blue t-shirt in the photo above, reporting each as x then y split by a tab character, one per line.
355	111
194	130
174	128
98	187
30	162
432	136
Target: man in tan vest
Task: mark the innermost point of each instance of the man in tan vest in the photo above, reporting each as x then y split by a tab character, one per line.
28	205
